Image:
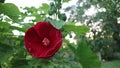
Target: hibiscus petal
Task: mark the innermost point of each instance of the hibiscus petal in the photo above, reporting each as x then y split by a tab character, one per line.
34	40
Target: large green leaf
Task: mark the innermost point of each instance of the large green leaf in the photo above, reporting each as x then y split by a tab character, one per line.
77	29
65	0
10	10
86	57
45	7
5	52
57	24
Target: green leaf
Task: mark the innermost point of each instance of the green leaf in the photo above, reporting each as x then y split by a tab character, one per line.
70	45
4	25
20	63
76	29
34	62
75	64
2	1
57	24
111	64
10	10
65	0
86	57
1	8
45	7
5	52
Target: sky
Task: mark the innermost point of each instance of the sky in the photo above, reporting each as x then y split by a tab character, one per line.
36	3
28	3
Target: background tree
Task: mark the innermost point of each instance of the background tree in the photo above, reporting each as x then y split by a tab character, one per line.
106	33
13	53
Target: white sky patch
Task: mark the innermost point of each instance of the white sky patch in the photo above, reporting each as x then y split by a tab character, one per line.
91	11
29	19
81	4
70	3
15	32
37	3
102	10
18	33
118	19
28	3
78	24
16	24
72	39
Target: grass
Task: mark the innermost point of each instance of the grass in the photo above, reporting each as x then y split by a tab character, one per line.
111	64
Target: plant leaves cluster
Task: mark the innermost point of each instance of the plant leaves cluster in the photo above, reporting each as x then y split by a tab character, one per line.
10	10
55	10
13	53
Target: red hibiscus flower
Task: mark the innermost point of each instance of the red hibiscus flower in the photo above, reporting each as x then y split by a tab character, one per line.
42	40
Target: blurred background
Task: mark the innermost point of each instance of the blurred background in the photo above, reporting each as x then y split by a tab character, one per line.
92	23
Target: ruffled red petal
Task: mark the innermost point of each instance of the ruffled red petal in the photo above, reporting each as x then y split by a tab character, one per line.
34	36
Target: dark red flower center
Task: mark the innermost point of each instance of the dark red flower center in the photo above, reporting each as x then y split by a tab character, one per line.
45	41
